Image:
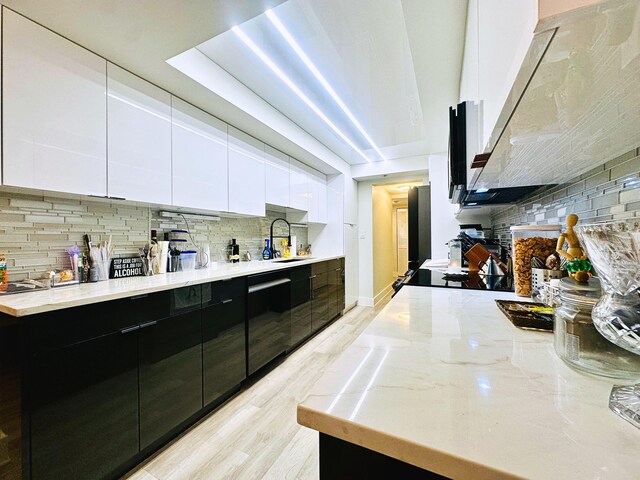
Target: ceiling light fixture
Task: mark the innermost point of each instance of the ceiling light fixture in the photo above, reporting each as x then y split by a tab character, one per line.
281	75
404	188
316	73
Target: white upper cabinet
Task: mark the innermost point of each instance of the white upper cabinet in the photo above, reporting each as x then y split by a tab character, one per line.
199	156
299	191
139	133
318	203
54	111
246	174
277	177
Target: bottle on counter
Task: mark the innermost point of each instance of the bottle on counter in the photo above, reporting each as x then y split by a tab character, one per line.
234	251
266	253
4	276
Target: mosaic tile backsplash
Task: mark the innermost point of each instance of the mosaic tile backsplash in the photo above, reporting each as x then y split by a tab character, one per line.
36	229
609	192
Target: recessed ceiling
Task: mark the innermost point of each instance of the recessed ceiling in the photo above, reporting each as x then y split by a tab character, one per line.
373	55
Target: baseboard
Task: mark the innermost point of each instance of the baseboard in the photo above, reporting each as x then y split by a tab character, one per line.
350	307
382	296
365	301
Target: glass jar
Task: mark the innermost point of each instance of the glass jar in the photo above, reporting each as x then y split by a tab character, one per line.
577	341
530	241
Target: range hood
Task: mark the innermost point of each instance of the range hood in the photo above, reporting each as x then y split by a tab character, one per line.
575	103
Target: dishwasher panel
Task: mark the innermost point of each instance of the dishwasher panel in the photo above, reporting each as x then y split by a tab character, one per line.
269	313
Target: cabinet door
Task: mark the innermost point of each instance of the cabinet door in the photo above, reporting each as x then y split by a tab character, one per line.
277	177
298	186
199	156
80	395
54	111
318	192
223	347
320	301
246	174
170	374
300	310
139	133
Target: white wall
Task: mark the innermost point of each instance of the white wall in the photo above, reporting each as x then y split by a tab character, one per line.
497	38
444	225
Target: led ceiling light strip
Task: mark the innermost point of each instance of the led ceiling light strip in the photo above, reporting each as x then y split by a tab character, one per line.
323	81
281	75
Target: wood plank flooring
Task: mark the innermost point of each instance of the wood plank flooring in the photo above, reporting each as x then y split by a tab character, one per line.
255	435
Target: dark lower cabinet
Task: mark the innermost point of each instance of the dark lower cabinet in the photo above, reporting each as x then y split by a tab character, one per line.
223	347
84	408
300	305
170	374
103	385
320	300
335	281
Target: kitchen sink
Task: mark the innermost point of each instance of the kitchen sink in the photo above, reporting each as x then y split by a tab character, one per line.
289	260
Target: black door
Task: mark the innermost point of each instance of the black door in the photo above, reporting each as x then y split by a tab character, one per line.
171	367
223	347
300	304
269	318
84	408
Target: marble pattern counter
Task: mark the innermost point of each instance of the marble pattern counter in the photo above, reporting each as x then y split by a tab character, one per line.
441	380
22	304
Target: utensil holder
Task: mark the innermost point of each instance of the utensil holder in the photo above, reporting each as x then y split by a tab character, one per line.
102	269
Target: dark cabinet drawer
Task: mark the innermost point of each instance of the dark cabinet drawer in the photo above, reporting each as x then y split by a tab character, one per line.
319	267
319	280
215	292
145	308
300	273
186	299
333	264
60	328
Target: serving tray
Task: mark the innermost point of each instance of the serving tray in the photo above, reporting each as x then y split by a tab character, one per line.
521	318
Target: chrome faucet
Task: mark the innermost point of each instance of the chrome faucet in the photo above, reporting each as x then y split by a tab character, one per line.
271	237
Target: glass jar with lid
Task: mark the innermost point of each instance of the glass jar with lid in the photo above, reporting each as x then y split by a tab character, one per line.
530	241
577	341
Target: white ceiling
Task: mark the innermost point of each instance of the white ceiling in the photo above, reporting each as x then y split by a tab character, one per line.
392	63
398	61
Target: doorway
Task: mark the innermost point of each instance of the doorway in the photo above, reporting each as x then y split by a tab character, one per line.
402	240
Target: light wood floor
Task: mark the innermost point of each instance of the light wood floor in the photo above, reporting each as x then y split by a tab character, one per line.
255	434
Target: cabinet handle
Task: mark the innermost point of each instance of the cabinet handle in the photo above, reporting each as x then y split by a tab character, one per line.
228	300
337	269
130	329
138	297
148	324
312	277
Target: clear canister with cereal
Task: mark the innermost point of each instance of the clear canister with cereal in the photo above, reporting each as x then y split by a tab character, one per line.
530	241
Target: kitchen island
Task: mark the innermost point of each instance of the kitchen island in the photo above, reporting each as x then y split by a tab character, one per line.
441	381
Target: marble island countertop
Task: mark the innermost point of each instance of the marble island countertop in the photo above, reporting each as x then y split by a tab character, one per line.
23	304
441	380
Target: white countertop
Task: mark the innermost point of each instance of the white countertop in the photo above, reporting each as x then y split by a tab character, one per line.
442	380
22	304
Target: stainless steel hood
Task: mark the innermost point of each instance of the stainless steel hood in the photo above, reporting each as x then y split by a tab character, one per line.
575	103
